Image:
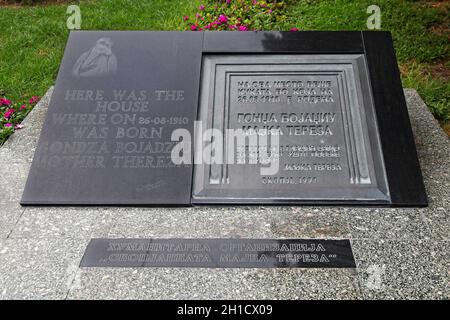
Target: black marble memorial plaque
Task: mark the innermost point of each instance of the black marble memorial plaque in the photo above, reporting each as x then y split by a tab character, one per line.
267	117
219	253
107	135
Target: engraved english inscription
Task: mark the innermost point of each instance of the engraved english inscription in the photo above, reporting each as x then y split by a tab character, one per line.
317	109
119	131
107	134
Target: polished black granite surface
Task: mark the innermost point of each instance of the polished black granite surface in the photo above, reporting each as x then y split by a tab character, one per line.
107	135
219	253
125	101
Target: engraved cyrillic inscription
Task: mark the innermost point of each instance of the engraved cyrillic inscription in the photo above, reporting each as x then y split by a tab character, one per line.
313	105
302	109
219	253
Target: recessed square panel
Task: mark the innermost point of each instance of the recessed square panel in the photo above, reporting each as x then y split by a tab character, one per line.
316	116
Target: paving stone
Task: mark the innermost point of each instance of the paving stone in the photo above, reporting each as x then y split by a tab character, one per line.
387	224
9	216
39	268
164	283
49	222
390	269
433	147
239	222
12	182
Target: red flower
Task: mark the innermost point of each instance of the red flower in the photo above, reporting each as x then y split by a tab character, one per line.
243	28
8	125
294	29
23	107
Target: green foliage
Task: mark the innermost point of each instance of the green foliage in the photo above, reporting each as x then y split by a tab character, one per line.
408	21
434	90
24	1
32	39
238	15
12	114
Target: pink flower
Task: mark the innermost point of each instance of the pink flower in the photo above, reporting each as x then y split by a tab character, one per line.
232	26
243	28
255	1
198	15
294	29
186	18
18	126
201	8
269	11
34	99
4	102
9	113
223	18
194	27
23	107
228	1
8	125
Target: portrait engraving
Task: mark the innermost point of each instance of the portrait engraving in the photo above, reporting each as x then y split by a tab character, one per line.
97	61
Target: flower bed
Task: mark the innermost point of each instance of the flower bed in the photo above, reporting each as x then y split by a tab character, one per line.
12	114
239	15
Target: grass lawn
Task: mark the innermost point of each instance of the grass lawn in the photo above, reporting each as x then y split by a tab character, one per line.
32	38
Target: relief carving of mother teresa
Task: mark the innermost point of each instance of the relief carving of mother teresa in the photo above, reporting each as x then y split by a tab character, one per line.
97	61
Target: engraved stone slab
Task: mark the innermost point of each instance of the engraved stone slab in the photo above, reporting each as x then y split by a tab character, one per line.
219	253
254	117
107	135
321	109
